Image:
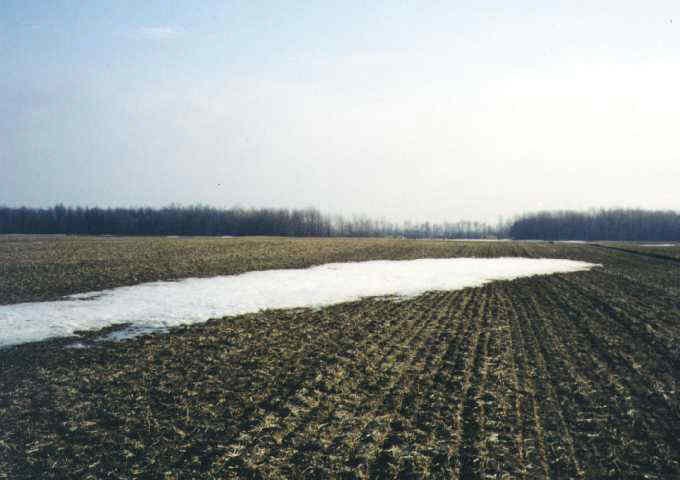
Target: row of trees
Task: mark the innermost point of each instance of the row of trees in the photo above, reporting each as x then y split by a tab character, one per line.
614	224
202	220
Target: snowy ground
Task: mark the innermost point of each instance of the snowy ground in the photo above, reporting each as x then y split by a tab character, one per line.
158	305
657	245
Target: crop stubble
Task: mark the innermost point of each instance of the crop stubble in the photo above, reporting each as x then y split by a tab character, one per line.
562	376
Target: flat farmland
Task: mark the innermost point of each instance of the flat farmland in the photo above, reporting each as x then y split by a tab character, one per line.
659	250
572	375
39	267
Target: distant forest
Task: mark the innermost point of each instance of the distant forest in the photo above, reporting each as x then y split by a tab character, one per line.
202	220
615	224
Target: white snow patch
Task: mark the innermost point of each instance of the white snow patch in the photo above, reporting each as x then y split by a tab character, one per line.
159	305
657	245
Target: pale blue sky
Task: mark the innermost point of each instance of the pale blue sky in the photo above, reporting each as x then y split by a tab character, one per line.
420	110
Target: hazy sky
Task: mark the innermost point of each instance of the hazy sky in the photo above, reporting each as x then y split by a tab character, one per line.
421	110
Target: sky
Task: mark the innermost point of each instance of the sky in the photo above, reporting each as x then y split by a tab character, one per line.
420	110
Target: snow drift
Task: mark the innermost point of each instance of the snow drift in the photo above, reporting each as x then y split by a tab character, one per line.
158	305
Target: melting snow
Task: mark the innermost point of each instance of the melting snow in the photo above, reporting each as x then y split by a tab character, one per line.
159	305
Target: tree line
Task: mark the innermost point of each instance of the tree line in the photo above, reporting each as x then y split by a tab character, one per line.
204	220
612	224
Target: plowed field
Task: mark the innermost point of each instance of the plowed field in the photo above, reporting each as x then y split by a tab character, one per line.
561	376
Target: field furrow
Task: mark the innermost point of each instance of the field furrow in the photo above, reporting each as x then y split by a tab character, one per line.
466	369
554	438
550	377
